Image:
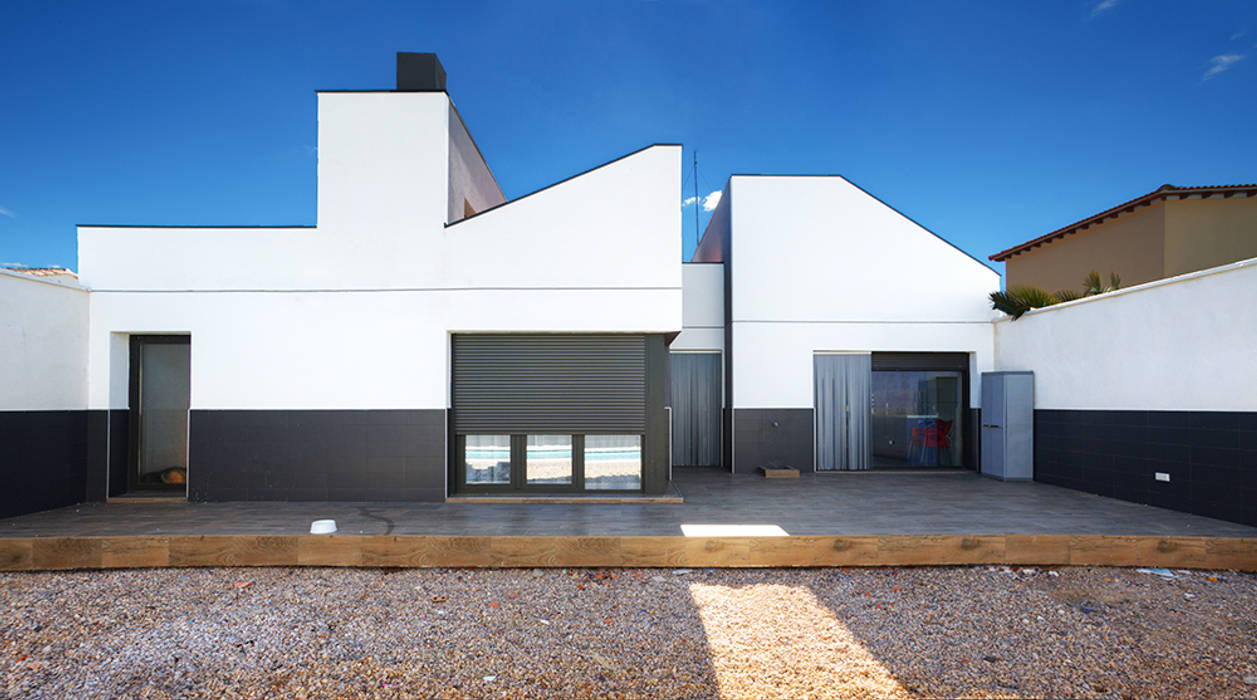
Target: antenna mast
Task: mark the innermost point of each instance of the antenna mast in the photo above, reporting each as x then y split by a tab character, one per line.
697	234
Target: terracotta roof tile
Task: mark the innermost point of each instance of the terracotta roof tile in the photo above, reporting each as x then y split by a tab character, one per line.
44	271
1160	194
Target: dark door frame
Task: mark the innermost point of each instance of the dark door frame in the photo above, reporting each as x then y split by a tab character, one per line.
133	406
937	362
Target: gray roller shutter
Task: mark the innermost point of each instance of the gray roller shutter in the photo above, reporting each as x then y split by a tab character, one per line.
549	383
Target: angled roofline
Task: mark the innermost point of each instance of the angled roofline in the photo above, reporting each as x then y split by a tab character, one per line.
724	201
560	182
399	92
879	200
296	226
476	146
1162	193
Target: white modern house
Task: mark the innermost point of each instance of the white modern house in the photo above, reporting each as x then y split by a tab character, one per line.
830	302
429	339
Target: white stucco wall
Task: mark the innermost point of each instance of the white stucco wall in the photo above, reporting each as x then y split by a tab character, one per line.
357	312
1184	343
383	162
820	265
469	178
702	309
43	344
328	350
772	362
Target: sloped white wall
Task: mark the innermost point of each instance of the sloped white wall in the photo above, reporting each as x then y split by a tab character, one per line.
615	226
820	265
43	344
1184	343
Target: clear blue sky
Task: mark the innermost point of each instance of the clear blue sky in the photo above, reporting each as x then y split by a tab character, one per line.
987	122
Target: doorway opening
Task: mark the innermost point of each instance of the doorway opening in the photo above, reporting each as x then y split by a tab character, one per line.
160	393
696	383
892	410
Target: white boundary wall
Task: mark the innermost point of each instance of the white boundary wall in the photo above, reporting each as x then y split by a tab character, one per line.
43	344
1183	343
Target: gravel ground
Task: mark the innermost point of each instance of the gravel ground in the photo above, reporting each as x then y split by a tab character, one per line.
961	631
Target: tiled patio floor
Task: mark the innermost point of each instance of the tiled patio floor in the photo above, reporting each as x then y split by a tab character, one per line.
845	504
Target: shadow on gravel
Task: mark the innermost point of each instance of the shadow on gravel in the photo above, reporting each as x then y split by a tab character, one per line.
1030	632
353	633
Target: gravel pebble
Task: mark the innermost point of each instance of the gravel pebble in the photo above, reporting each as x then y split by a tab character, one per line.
737	633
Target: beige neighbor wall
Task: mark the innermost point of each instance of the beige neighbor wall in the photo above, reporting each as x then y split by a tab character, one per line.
1204	233
1131	245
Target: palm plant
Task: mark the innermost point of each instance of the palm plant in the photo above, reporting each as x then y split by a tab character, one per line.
1092	285
1018	300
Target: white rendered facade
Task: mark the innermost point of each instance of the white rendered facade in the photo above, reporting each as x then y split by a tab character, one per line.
333	345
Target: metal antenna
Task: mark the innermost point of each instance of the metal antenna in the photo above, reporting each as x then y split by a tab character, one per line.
697	234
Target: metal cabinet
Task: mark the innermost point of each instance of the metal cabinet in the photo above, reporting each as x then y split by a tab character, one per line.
1008	425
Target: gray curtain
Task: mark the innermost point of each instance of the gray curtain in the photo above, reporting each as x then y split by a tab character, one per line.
695	380
843	408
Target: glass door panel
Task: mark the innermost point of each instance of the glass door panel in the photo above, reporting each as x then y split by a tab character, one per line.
161	393
918	419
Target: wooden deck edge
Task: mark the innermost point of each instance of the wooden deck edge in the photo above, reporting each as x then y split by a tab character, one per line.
63	553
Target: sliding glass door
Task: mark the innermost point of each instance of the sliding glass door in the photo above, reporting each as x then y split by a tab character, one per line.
918	418
887	410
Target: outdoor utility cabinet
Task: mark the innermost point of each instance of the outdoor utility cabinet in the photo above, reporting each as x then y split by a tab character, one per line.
1008	425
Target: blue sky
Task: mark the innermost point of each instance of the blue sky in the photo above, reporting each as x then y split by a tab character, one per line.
987	122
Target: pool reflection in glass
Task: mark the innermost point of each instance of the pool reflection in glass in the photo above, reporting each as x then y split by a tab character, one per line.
487	459
613	462
549	459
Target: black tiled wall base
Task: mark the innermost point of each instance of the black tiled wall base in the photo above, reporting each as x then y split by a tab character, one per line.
368	455
1211	458
107	441
42	460
757	442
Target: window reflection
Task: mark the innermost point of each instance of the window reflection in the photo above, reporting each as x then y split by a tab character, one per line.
487	459
549	459
613	462
918	419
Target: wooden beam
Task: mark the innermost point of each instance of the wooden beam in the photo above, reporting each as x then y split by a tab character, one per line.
61	553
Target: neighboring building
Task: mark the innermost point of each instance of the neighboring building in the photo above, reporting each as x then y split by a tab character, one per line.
1167	232
58	273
